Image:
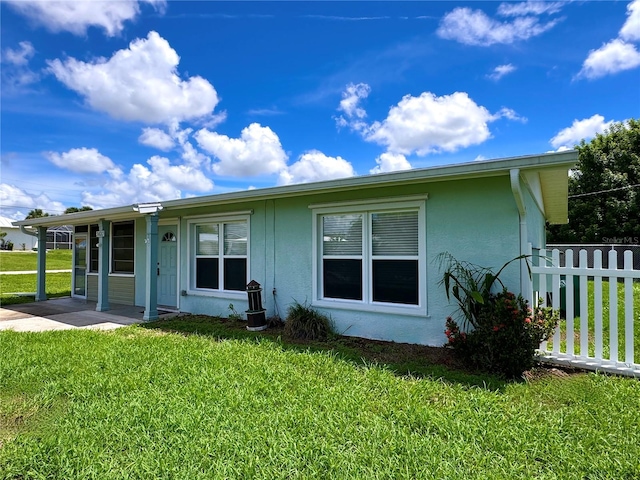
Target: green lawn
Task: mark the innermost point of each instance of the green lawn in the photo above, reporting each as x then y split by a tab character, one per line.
21	261
606	322
57	285
146	403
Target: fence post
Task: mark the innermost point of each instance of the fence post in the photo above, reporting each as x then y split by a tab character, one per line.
628	309
555	288
597	303
613	308
584	308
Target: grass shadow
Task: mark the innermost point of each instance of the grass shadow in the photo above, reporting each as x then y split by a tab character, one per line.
402	359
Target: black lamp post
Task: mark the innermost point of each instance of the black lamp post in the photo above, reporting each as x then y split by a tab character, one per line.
256	318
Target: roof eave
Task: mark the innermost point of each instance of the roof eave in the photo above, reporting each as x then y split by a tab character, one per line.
475	169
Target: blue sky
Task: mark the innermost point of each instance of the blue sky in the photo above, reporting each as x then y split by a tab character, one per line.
112	103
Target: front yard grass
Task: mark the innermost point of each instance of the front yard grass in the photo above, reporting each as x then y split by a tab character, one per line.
149	403
57	285
25	261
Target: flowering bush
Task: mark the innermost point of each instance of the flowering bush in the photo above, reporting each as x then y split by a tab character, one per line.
506	335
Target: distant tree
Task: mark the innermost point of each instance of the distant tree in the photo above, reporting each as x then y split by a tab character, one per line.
36	213
604	190
76	209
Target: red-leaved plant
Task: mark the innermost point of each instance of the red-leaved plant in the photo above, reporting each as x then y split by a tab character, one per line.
500	332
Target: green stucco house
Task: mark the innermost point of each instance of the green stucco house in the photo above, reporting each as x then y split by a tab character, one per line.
360	249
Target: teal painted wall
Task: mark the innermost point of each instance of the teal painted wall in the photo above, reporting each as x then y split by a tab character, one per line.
475	220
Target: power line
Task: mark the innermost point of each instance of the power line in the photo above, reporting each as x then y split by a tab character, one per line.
30	208
605	191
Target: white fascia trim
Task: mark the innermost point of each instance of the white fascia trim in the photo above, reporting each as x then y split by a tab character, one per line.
217	216
379	202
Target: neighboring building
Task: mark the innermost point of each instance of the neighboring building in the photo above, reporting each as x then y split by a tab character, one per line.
15	236
360	249
60	238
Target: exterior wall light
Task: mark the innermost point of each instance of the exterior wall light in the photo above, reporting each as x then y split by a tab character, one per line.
147	208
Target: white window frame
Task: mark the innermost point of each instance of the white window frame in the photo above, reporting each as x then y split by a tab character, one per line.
192	249
111	247
366	209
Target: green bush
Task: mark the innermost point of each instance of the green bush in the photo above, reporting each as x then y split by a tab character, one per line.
506	336
305	323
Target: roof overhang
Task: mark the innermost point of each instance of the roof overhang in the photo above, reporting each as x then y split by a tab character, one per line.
553	169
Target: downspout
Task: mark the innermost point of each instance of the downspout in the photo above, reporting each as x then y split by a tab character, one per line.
525	282
24	230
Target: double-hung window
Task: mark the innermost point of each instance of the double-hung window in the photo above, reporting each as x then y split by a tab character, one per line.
221	254
371	255
93	248
123	247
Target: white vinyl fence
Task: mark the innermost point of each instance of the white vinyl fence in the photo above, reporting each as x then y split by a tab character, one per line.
595	334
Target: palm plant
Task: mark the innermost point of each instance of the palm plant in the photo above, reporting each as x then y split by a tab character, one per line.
470	284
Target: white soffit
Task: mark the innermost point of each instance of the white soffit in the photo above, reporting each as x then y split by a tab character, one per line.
555	194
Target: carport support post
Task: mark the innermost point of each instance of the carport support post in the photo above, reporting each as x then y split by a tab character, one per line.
151	284
103	265
41	290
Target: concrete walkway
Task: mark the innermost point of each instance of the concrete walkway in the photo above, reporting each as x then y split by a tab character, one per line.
66	314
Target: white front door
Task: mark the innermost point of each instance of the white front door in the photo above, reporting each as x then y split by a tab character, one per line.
168	266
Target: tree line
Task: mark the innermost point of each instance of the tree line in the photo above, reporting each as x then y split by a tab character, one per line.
604	189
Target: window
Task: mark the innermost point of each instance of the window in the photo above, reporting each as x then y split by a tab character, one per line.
169	237
93	248
122	247
371	254
220	255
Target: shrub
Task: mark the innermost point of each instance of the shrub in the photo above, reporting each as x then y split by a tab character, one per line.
498	333
506	336
305	323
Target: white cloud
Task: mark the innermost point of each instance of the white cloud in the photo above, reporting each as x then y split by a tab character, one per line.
315	166
509	114
618	54
612	57
156	138
19	56
579	129
429	124
162	181
630	31
140	83
474	27
81	160
535	7
77	16
16	202
351	98
390	162
257	152
16	75
500	71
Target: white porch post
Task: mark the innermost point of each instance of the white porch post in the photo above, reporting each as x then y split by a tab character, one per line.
104	246
41	291
151	284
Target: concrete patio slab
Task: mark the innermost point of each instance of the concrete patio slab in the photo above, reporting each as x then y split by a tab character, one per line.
66	314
